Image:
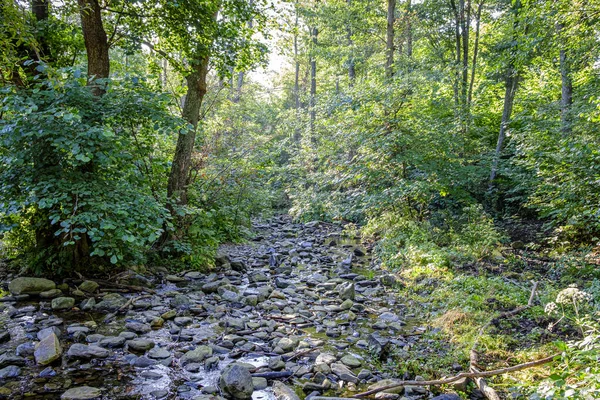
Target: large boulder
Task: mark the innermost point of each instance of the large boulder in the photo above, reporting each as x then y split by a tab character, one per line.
25	285
236	382
48	349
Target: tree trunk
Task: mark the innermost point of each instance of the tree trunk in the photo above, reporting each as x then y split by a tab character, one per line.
409	34
238	88
96	42
566	98
182	161
389	44
351	64
511	84
475	53
313	81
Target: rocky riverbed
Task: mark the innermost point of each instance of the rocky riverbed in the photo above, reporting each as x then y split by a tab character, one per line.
286	315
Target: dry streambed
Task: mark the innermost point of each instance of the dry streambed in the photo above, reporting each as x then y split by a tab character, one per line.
284	316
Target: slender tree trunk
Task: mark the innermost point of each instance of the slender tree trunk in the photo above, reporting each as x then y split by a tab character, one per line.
511	85
389	46
457	51
182	161
41	10
96	42
313	81
238	87
351	63
297	134
165	76
566	98
475	53
409	33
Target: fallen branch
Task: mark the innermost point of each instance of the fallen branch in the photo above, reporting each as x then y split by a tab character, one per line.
129	287
455	378
131	301
474	367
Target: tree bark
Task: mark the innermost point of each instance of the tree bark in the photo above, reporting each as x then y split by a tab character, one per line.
351	63
510	89
566	98
409	34
313	81
96	43
182	161
389	43
475	53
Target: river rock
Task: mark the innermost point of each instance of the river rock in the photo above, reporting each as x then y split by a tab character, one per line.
50	294
26	285
12	371
140	345
89	286
197	355
387	382
111	302
79	350
47	350
81	393
283	392
342	372
346	291
236	382
63	303
448	396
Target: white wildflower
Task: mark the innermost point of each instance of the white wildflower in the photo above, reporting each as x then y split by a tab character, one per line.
551	308
571	295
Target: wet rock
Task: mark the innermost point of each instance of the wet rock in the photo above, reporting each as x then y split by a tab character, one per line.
47	372
351	361
283	392
387	382
236	382
63	303
25	285
111	302
78	350
48	349
197	355
25	349
388	317
211	363
138	327
140	345
88	304
169	314
346	291
180	302
50	294
81	393
143	362
89	286
12	371
388	280
159	353
260	383
4	336
346	305
112	342
10	359
175	279
342	372
47	331
449	396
